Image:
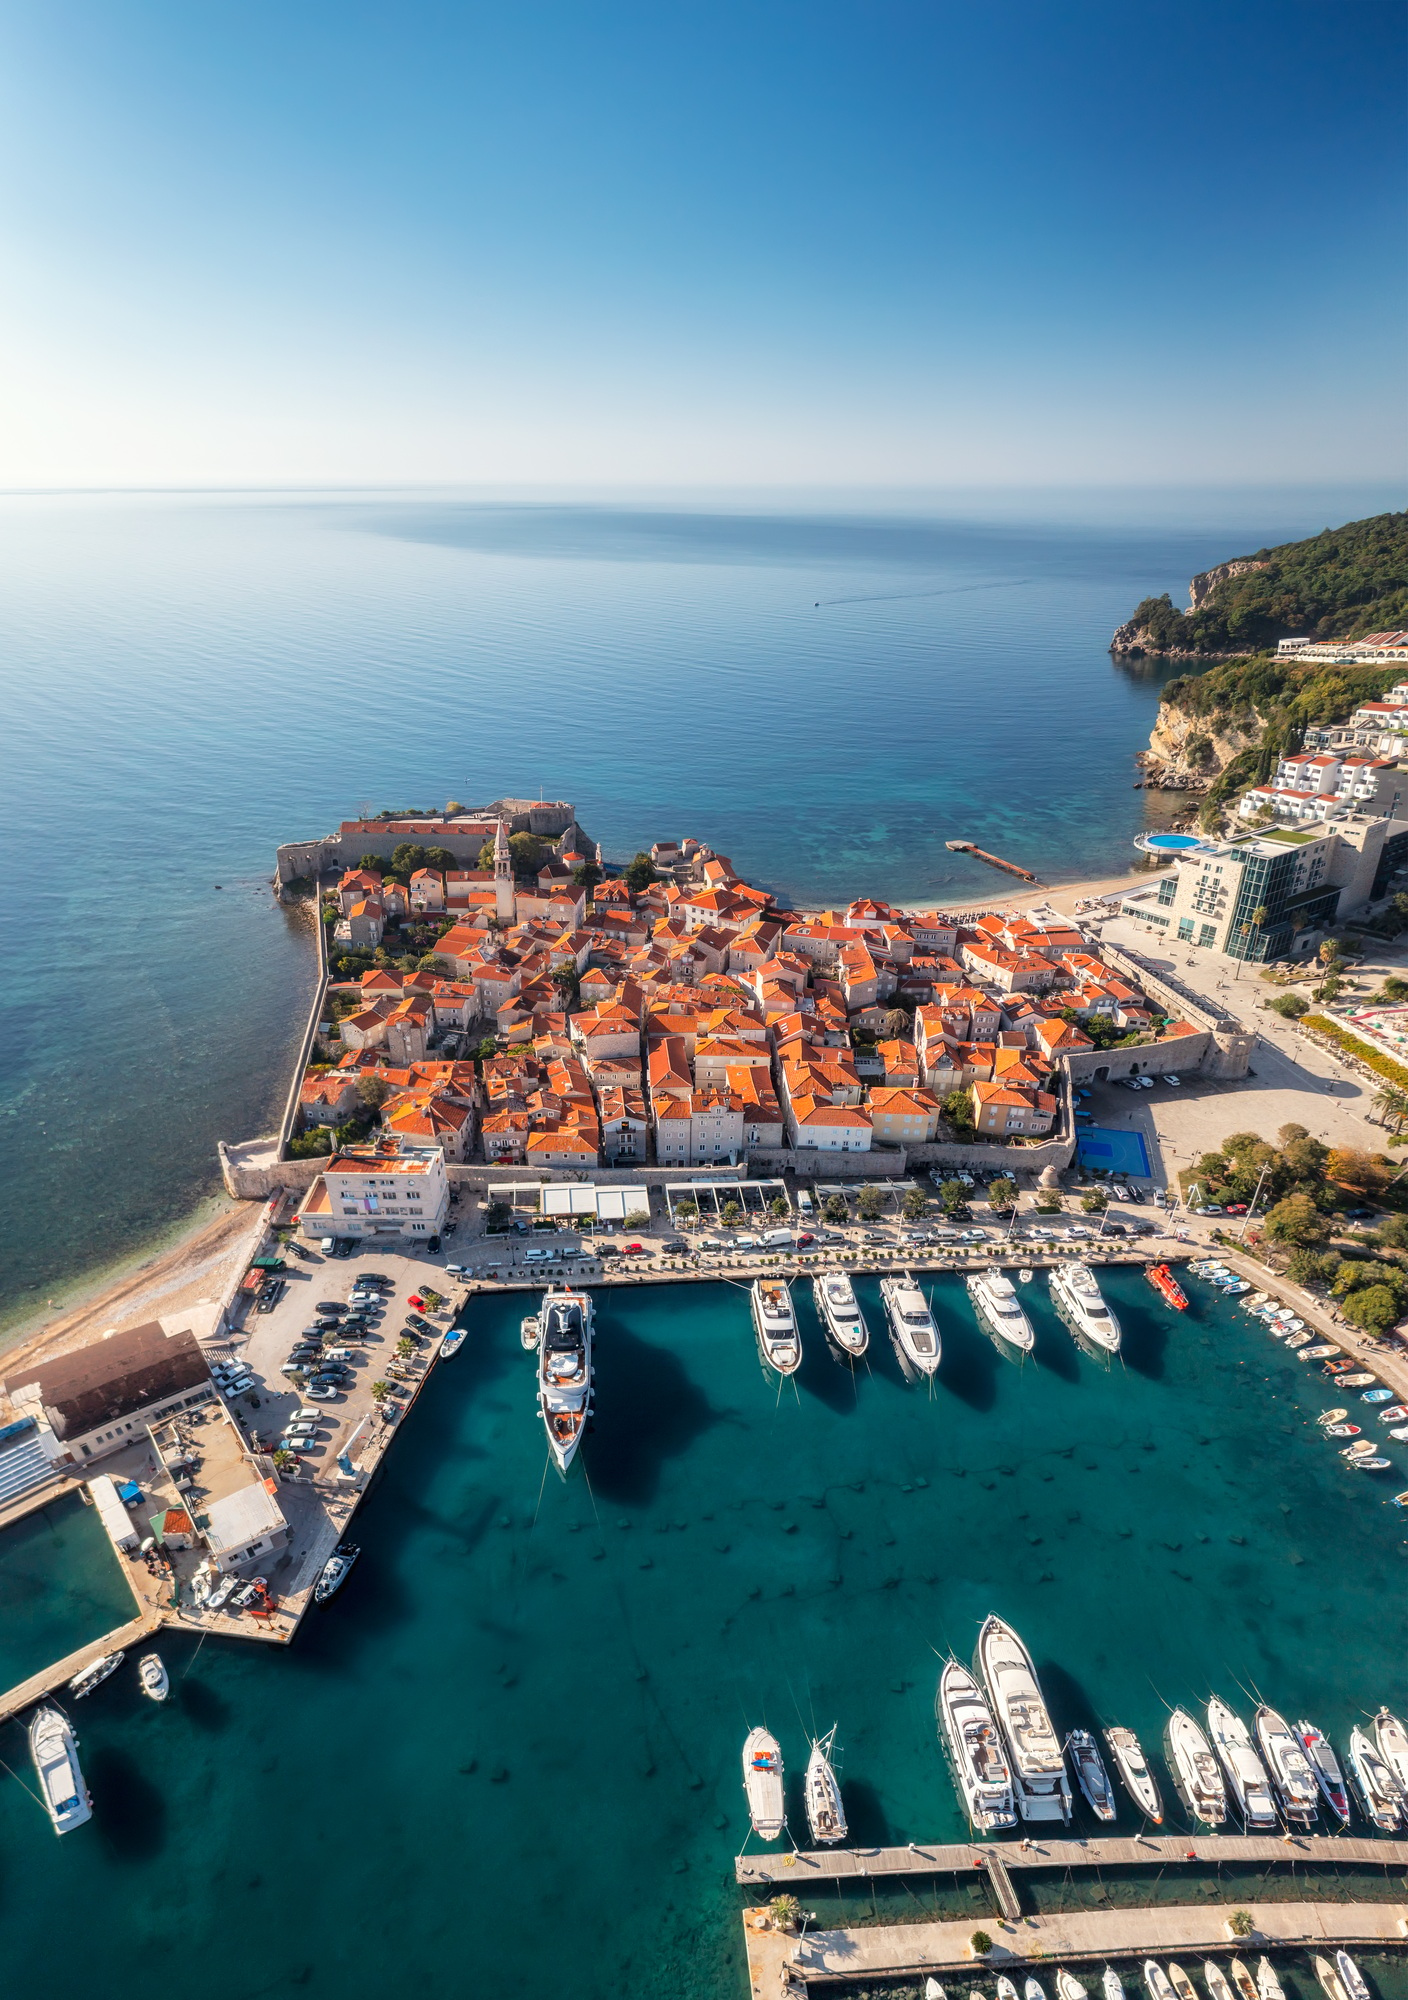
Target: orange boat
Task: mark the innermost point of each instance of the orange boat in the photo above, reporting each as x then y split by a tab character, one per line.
1167	1286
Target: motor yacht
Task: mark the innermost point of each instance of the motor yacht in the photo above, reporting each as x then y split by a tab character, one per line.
93	1675
1068	1987
1133	1768
913	1334
775	1323
153	1678
1268	1986
1082	1306
1291	1776
1090	1773
995	1302
1246	1776
54	1748
1379	1791
1391	1741
1111	1985
1196	1777
762	1784
1004	1667
1006	1990
565	1373
834	1297
335	1571
975	1750
1350	1977
825	1813
1326	1766
1156	1981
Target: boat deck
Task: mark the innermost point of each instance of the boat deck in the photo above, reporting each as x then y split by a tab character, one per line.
889	1951
1320	1850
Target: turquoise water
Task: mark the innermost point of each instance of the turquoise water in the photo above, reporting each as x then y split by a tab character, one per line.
60	1586
827	692
509	1749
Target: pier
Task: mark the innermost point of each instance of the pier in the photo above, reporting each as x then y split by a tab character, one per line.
778	1961
60	1672
993	861
1003	1857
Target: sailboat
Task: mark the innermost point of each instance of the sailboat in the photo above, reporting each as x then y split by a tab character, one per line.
565	1374
1133	1768
54	1748
825	1813
762	1784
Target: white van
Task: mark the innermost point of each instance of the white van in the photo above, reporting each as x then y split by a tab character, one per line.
804	1204
779	1239
457	1270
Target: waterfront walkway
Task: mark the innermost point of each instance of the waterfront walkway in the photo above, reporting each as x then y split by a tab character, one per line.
889	1951
1320	1850
59	1672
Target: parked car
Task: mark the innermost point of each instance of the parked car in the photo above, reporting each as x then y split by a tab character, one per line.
1171	1078
1236	1208
321	1392
330	1306
804	1237
634	1250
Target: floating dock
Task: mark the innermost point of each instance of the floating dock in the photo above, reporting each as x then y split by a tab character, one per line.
780	1964
1004	1857
993	861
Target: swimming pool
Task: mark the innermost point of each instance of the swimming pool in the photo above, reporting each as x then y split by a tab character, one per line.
1167	843
1122	1153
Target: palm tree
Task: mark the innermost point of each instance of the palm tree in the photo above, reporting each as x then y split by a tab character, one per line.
1392	1103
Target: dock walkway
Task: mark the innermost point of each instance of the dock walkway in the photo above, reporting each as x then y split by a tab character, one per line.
776	1961
56	1675
1317	1850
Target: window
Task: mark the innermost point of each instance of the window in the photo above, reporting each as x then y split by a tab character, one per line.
1207	934
1168	889
1185	929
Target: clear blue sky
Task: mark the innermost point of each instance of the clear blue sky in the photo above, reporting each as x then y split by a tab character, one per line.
894	241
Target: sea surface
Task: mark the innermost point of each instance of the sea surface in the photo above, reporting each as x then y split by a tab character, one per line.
824	688
505	1759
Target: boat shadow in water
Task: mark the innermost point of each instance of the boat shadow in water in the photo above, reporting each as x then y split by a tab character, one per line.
128	1810
647	1411
866	1823
1053	1345
970	1362
203	1705
1144	1337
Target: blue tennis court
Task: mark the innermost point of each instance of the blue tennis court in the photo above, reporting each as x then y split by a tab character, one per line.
1120	1153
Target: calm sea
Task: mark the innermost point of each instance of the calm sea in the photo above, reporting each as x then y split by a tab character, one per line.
826	692
505	1760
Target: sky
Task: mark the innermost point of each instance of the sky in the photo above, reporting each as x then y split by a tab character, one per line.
891	242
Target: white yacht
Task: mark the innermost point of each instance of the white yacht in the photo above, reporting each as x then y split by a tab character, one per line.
1351	1978
565	1374
528	1331
1246	1775
54	1748
913	1334
1326	1766
1006	1990
153	1677
1329	1979
1156	1979
825	1813
1379	1791
1391	1739
762	1784
975	1750
775	1324
1216	1981
1294	1781
835	1300
1082	1306
94	1674
1267	1984
1003	1665
1195	1774
1243	1981
994	1299
1133	1767
1068	1987
1110	1984
1090	1773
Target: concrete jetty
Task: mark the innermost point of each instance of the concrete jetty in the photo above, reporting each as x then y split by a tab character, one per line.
55	1676
777	1961
1003	1858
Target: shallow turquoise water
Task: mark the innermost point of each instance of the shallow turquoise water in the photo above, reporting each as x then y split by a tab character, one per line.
60	1586
826	694
510	1747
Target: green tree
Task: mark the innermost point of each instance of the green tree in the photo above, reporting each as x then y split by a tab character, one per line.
310	1145
1002	1194
639	1218
1095	1201
1297	1220
730	1214
835	1210
587	875
1312	1267
869	1203
568	982
373	1090
283	1461
372	864
954	1196
405	1348
639	873
958	1110
440	860
529	853
1289	1005
432	962
380	1391
406	858
915	1204
779	1207
1375	1308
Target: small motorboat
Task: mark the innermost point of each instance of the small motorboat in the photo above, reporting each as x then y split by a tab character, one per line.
1024	1277
1257	1299
1370	1464
1400	1499
1068	1987
1134	1771
1295	1341
1005	1989
1215	1979
1350	1977
1377	1396
1400	1434
1156	1981
1090	1773
335	1571
1180	1982
1110	1984
1379	1791
1391	1742
1326	1766
1364	1448
1332	1416
452	1343
153	1677
933	1990
528	1331
1329	1980
1341	1430
826	1815
1167	1286
1268	1986
1243	1981
93	1676
1358	1380
1032	1989
762	1784
1397	1415
1313	1353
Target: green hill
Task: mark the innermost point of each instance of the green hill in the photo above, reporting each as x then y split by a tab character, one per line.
1337	585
